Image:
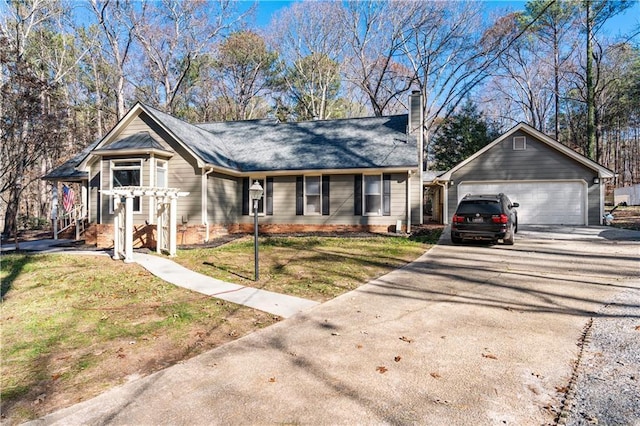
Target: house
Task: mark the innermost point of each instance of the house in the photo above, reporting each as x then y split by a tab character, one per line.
339	175
552	183
161	179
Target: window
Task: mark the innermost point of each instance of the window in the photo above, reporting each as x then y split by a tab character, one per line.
161	174
267	195
372	195
127	173
519	143
312	195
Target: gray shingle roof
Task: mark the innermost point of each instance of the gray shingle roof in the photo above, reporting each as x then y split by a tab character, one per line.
203	144
265	146
67	170
374	142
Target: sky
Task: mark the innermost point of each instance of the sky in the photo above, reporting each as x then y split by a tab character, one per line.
621	24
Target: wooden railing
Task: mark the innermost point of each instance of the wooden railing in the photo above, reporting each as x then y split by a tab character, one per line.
72	218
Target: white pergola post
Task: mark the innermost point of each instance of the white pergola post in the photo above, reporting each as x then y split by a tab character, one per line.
128	231
173	212
116	228
123	244
159	225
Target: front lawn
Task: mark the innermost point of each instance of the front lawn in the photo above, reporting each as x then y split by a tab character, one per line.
74	326
317	267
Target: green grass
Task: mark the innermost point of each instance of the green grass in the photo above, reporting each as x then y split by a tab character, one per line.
75	325
317	268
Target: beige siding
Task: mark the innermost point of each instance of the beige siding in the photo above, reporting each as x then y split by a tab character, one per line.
341	203
223	205
182	174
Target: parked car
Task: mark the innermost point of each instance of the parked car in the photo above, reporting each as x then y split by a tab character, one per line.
489	217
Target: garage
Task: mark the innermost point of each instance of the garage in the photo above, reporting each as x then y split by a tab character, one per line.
553	184
541	202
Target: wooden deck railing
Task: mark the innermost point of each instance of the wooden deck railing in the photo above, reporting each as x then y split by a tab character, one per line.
72	218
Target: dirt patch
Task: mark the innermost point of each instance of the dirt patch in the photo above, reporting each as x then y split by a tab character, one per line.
626	217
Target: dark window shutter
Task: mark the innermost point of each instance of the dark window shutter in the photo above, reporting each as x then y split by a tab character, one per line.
325	196
269	196
299	195
386	195
245	196
357	195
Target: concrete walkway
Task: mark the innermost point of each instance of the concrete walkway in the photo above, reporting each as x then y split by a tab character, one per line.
468	334
267	301
44	246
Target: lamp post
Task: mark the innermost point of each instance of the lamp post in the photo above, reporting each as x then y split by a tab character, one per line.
255	193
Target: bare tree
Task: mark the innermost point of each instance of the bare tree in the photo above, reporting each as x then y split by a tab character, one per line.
117	29
30	106
556	28
374	31
310	39
442	47
521	74
173	34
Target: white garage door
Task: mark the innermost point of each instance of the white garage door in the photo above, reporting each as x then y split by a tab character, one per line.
541	202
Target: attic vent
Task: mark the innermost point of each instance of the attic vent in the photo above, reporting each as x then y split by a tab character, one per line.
519	143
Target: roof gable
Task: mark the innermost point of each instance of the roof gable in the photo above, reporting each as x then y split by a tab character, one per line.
603	172
141	141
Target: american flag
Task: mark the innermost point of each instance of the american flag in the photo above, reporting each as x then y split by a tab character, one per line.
67	198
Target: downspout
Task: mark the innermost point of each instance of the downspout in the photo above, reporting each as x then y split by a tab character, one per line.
408	201
204	198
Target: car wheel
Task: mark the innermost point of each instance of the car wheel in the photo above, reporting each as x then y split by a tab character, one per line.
509	241
516	228
456	240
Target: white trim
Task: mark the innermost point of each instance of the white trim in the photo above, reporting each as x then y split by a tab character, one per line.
408	202
601	188
111	168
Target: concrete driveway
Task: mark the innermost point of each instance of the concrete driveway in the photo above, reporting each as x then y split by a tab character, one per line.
465	335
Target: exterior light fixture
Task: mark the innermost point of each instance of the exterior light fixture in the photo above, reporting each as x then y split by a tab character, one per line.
255	194
596	180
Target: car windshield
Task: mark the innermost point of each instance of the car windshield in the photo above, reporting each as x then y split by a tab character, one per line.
479	206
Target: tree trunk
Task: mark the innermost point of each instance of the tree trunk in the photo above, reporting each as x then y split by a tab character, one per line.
591	96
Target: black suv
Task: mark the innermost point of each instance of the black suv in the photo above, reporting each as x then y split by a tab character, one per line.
485	217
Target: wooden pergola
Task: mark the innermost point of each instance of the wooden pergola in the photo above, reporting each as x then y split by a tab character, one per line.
166	214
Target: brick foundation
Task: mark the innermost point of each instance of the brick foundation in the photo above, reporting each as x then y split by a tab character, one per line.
146	235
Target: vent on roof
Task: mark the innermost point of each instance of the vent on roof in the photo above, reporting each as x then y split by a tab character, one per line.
519	143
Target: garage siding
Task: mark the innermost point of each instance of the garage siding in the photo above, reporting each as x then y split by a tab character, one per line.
538	162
